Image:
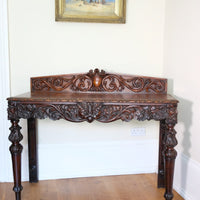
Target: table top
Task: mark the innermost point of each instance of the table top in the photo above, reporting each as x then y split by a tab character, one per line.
94	97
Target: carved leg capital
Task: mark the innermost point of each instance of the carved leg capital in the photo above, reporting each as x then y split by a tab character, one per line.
16	149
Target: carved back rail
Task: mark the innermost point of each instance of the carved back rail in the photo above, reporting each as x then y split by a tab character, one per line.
99	81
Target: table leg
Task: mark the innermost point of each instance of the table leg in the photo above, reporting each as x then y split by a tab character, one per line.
32	151
16	149
161	162
170	156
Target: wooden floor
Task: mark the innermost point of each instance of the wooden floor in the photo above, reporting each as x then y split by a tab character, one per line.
126	187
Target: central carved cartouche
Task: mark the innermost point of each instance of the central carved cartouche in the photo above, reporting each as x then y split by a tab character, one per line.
96	76
97	80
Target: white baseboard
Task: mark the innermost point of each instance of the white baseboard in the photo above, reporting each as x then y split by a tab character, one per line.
58	161
187	177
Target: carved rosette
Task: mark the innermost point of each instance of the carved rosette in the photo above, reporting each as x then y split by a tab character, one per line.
89	111
98	81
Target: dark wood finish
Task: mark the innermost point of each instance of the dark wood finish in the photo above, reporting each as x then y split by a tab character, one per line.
170	156
99	81
16	149
103	97
32	150
161	158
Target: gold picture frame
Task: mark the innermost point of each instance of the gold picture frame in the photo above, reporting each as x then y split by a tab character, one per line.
102	11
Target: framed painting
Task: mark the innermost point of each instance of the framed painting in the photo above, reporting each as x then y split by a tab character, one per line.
105	11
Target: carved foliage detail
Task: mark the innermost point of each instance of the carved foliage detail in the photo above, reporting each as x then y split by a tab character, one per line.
170	142
89	111
15	137
97	80
76	83
112	83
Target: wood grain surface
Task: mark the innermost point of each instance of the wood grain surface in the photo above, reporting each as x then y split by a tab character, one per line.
124	187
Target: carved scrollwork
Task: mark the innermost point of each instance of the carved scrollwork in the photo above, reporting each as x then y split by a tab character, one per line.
116	83
158	86
81	83
97	80
76	83
89	111
54	83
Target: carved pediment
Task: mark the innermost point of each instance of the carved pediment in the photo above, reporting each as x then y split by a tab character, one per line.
99	81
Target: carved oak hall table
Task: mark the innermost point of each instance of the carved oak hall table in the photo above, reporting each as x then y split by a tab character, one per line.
100	96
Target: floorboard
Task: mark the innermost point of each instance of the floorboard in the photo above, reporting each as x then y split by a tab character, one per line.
124	187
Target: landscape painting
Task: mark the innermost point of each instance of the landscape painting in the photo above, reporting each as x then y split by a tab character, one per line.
110	11
90	7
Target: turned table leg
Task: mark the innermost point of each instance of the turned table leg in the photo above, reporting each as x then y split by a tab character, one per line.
170	156
16	149
32	151
161	159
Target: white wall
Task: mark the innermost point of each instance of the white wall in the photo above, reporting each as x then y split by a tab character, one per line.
182	66
41	46
4	91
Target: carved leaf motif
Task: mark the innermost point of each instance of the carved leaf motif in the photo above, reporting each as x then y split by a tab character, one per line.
171	140
90	111
15	137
